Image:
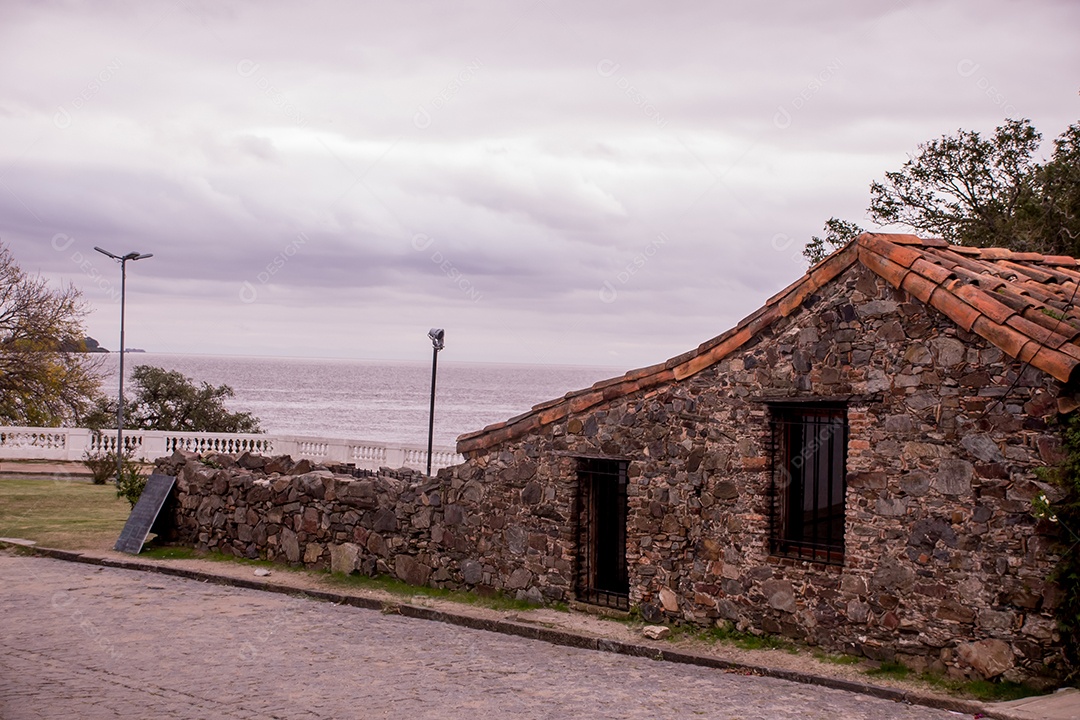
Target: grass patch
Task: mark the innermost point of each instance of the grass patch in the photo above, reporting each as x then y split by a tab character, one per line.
890	669
68	514
178	552
741	640
171	552
397	587
837	658
985	690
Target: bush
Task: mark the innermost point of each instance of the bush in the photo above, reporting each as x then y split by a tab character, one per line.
131	483
1063	512
102	465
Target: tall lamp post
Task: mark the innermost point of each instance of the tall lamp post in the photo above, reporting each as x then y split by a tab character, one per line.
122	259
436	335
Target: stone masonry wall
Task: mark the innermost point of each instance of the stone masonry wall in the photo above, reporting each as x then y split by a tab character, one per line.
944	566
400	523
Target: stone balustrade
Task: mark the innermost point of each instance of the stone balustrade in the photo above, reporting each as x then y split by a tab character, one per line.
73	444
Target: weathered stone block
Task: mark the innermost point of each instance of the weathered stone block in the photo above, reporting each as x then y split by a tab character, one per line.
312	552
472	572
411	571
779	594
990	658
656	632
954	477
290	545
344	558
385	521
669	600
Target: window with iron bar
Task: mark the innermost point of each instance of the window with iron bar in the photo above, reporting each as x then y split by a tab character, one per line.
601	519
809	483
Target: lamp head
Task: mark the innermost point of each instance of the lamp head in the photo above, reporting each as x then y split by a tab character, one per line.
436	335
124	258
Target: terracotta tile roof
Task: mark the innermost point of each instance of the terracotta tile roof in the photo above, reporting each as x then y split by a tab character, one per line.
1026	304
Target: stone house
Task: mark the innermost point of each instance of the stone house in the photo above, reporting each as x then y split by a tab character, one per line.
852	465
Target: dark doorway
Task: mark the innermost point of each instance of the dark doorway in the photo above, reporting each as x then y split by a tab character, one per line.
601	574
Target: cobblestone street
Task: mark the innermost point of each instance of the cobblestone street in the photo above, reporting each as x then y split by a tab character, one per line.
89	642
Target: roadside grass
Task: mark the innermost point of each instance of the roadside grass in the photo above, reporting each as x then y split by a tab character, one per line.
393	586
984	690
837	658
61	513
891	670
153	551
383	583
719	635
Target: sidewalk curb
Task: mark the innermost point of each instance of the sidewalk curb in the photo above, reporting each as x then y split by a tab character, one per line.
535	632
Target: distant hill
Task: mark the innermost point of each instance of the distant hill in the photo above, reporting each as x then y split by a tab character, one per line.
87	344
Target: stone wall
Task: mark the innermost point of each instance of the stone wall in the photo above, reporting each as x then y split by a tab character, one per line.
401	523
944	567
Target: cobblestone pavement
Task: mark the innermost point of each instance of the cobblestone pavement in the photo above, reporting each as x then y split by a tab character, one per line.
90	642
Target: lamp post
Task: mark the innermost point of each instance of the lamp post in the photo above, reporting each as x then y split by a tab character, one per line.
436	335
122	259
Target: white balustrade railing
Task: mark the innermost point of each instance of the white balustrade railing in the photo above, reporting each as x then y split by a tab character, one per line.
73	444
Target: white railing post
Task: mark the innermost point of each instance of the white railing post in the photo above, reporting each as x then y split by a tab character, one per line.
153	445
78	442
395	457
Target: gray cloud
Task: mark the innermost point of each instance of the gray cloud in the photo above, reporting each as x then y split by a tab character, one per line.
606	183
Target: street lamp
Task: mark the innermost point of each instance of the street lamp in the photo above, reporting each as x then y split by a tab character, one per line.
436	335
122	259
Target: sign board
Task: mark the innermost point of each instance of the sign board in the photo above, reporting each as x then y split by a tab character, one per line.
144	513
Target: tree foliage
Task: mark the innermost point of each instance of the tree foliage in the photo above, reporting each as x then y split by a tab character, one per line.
42	382
980	191
167	400
1063	512
838	233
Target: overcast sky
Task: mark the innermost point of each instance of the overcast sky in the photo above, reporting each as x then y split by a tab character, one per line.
554	182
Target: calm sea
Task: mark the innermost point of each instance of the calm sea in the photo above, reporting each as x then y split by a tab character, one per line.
377	400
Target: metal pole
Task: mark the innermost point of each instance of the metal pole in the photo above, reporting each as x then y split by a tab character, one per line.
122	259
431	412
120	400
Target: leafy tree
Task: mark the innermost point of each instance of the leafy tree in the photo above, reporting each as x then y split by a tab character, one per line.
167	400
42	382
1058	197
837	234
965	188
979	191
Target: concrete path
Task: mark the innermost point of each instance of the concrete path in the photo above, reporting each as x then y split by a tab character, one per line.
90	642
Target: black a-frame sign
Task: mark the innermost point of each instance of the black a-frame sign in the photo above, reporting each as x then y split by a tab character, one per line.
144	513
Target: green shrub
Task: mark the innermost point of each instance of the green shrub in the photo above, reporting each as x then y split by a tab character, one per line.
131	482
1063	512
102	466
